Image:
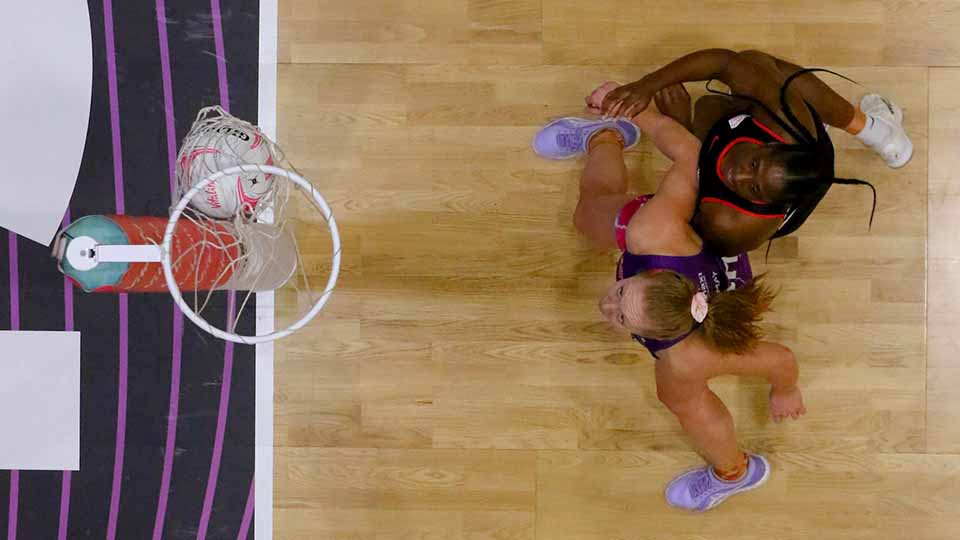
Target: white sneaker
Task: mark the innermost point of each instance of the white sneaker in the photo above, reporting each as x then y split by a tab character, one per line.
895	146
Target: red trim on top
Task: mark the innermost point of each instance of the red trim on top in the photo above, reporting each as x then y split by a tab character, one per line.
727	149
768	130
623	219
741	210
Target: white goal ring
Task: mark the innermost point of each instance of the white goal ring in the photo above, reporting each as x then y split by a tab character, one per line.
165	255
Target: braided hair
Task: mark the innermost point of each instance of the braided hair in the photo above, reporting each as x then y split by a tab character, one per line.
809	163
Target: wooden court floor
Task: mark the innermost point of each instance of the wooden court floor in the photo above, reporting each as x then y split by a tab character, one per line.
461	384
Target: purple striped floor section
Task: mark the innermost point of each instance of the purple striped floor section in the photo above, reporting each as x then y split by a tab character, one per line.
221	55
14	261
14	501
118	455
231	303
121	424
64	505
221	425
174	408
68	326
247	512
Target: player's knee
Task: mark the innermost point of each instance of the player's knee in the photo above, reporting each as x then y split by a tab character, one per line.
679	407
708	101
688	415
581	219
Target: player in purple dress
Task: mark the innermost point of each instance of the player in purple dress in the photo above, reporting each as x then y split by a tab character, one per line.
696	311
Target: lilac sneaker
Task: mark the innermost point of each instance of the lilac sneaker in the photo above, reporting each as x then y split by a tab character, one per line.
701	489
568	137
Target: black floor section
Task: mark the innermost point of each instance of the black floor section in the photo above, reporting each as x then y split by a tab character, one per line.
142	120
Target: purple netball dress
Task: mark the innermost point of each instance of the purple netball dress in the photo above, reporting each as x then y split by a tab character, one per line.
712	273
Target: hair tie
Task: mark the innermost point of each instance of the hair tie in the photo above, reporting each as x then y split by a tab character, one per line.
699	307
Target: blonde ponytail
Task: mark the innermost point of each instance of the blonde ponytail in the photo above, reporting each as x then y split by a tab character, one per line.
731	323
732	317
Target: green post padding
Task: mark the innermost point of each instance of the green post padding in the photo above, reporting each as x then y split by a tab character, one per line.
106	232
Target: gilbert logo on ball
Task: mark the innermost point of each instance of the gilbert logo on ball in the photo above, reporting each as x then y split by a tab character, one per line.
219	147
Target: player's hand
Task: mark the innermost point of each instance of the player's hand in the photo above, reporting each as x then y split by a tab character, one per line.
595	100
628	100
786	404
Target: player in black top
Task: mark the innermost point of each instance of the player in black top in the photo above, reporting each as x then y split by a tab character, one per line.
766	159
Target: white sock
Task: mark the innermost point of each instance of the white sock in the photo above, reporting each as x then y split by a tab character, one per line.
874	131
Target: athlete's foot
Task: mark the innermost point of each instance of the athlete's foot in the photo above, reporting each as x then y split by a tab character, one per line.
674	101
570	137
701	489
884	131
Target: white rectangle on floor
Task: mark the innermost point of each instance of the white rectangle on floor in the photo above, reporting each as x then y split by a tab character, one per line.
40	400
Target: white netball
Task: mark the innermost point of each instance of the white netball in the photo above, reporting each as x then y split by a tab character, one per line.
217	147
